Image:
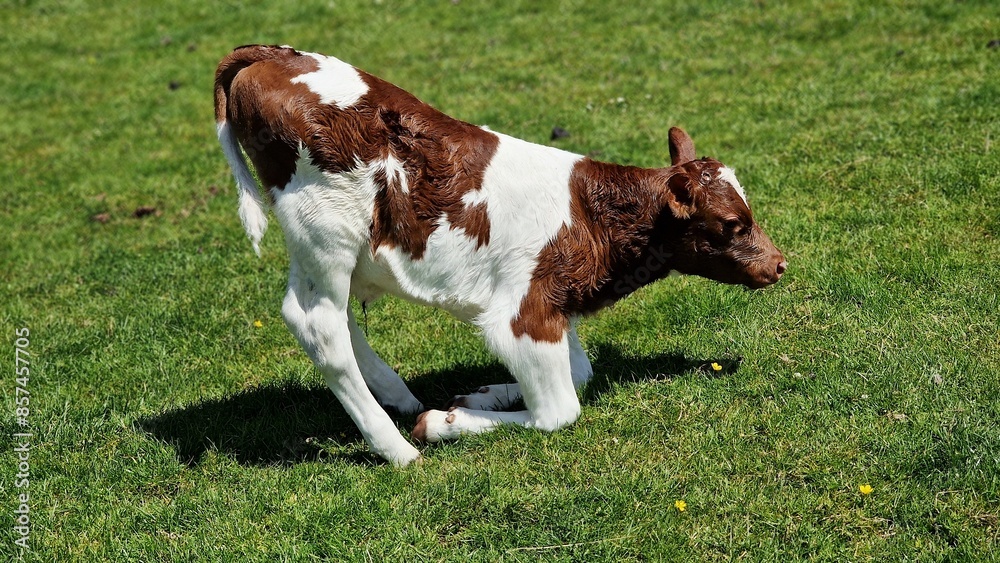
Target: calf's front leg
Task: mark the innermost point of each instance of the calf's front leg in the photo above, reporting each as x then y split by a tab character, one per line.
381	379
545	381
501	396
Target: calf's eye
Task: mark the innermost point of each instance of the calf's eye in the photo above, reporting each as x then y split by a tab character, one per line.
734	227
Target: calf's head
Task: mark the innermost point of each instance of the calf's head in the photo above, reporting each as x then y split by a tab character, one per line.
707	222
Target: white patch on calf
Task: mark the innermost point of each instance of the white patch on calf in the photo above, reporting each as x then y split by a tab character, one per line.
474	197
326	216
526	189
526	192
335	82
394	172
728	175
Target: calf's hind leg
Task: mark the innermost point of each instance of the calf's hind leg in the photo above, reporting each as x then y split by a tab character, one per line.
384	383
316	311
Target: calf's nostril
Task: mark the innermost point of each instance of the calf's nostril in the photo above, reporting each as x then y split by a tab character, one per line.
781	267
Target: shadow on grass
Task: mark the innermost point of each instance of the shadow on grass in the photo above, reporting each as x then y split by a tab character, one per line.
284	424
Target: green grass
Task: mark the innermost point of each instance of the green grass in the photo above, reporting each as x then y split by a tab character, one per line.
167	427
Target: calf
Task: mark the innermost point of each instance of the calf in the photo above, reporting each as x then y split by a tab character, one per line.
377	193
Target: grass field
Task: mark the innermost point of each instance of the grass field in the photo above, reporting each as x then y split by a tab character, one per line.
165	425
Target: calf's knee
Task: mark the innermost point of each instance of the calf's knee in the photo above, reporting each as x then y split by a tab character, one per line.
554	419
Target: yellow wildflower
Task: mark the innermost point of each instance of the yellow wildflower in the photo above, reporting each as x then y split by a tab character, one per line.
258	324
680	505
865	489
716	366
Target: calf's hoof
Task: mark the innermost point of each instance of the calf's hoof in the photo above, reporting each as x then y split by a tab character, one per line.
458	401
432	426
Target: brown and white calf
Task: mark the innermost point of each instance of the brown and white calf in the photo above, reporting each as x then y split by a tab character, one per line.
380	193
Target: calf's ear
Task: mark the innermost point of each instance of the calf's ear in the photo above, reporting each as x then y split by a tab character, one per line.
681	146
680	195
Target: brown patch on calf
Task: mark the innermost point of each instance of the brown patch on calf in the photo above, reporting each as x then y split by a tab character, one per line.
539	316
613	214
419	433
394	219
632	226
255	95
442	158
475	222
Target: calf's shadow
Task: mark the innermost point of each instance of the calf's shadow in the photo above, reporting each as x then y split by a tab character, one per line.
288	423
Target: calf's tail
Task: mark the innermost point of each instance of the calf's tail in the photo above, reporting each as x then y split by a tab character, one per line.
252	206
